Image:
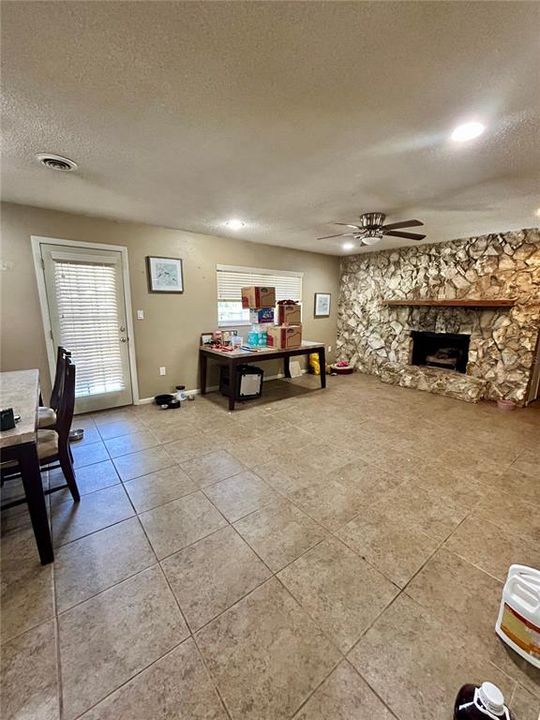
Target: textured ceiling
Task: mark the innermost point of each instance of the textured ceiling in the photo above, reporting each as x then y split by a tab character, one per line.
289	115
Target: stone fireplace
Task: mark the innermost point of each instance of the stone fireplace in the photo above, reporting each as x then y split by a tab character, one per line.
443	350
486	289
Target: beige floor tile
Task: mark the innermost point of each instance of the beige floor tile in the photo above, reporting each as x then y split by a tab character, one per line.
179	523
212	574
468	600
89	454
491	549
511	514
339	590
416	664
266	655
191	447
524	486
175	687
329	502
427	509
279	533
106	640
239	495
96	562
117	428
27	586
158	488
397	549
212	467
528	462
95	511
89	479
142	463
29	676
344	695
135	441
370	480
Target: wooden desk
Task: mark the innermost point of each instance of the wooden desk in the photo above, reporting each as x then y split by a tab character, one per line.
20	390
240	357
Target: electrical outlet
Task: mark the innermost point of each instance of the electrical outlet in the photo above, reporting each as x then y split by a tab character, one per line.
329	348
162	370
140	314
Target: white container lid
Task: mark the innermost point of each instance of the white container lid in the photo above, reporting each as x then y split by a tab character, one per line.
491	698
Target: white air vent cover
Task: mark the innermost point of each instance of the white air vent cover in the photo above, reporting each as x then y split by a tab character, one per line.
56	162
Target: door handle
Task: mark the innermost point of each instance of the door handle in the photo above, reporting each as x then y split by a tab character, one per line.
122	329
123	339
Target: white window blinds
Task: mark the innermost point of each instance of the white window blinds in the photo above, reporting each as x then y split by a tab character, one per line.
86	296
231	280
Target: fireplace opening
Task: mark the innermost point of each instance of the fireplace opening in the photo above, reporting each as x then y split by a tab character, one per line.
443	350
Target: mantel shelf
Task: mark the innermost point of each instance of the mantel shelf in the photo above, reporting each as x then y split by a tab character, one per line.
459	303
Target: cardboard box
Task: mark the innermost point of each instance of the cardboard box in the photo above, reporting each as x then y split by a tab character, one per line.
258	297
261	316
289	315
284	337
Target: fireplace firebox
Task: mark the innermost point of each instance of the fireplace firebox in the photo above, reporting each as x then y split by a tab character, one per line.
444	350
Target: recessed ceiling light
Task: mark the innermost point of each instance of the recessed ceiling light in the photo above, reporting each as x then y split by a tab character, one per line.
56	162
348	246
468	131
235	224
537	212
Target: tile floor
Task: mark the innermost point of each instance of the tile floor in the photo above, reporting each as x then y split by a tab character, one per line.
333	555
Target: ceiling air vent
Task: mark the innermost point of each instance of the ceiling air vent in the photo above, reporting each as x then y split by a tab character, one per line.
56	162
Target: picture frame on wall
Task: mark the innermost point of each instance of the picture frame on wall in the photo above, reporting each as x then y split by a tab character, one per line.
165	274
322	305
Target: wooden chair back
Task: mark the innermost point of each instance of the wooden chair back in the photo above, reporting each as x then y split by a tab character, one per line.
61	355
66	402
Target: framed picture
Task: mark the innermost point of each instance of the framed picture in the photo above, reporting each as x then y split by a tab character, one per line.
322	304
165	275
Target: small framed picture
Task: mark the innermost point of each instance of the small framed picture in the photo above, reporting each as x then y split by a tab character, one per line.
165	275
322	304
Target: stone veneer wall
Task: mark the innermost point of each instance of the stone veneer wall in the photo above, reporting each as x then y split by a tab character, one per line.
376	339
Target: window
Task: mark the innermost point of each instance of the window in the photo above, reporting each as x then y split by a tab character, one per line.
231	280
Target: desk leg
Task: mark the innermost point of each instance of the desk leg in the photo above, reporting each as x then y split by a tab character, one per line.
233	384
35	497
203	364
322	365
286	366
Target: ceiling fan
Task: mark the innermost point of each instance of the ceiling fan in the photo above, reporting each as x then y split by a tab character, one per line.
371	229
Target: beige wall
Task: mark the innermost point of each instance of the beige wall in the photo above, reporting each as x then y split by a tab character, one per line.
169	333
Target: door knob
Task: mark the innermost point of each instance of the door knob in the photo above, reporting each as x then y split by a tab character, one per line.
123	339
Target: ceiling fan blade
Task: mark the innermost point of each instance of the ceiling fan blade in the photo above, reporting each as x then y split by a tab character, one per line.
406	235
403	224
327	237
355	227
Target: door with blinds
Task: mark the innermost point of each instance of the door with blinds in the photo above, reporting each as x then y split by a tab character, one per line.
87	311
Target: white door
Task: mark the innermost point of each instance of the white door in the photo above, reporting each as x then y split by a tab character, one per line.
87	311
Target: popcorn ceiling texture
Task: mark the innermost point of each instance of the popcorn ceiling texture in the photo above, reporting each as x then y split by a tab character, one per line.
376	339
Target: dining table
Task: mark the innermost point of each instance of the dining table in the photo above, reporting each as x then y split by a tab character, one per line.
20	390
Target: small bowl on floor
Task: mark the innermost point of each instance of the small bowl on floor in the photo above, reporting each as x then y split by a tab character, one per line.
76	435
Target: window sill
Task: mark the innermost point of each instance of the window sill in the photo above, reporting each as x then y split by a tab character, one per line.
232	326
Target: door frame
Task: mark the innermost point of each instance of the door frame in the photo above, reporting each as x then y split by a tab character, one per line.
39	240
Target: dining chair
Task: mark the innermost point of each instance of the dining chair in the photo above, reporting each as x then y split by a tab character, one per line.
47	415
53	445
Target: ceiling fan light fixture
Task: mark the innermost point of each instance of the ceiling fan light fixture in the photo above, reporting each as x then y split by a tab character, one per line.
372	237
468	131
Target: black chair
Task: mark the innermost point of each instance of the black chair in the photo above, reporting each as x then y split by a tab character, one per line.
53	445
47	415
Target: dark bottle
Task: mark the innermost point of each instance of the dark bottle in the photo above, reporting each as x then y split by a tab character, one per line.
481	703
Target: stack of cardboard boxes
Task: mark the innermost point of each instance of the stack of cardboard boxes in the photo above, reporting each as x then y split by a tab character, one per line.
261	301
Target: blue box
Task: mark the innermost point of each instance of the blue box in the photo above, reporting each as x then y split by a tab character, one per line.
261	316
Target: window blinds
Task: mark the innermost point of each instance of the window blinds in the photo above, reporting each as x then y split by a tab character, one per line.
231	282
86	296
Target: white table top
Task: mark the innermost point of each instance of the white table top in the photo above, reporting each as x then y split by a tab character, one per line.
20	390
306	344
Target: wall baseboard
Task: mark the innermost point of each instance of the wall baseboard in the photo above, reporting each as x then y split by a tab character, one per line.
213	388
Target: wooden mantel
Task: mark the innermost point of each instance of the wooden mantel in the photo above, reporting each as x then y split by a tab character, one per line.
459	303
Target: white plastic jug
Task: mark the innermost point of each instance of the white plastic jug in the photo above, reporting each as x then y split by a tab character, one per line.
518	623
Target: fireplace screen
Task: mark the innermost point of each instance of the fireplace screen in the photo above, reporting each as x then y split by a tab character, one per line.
443	350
